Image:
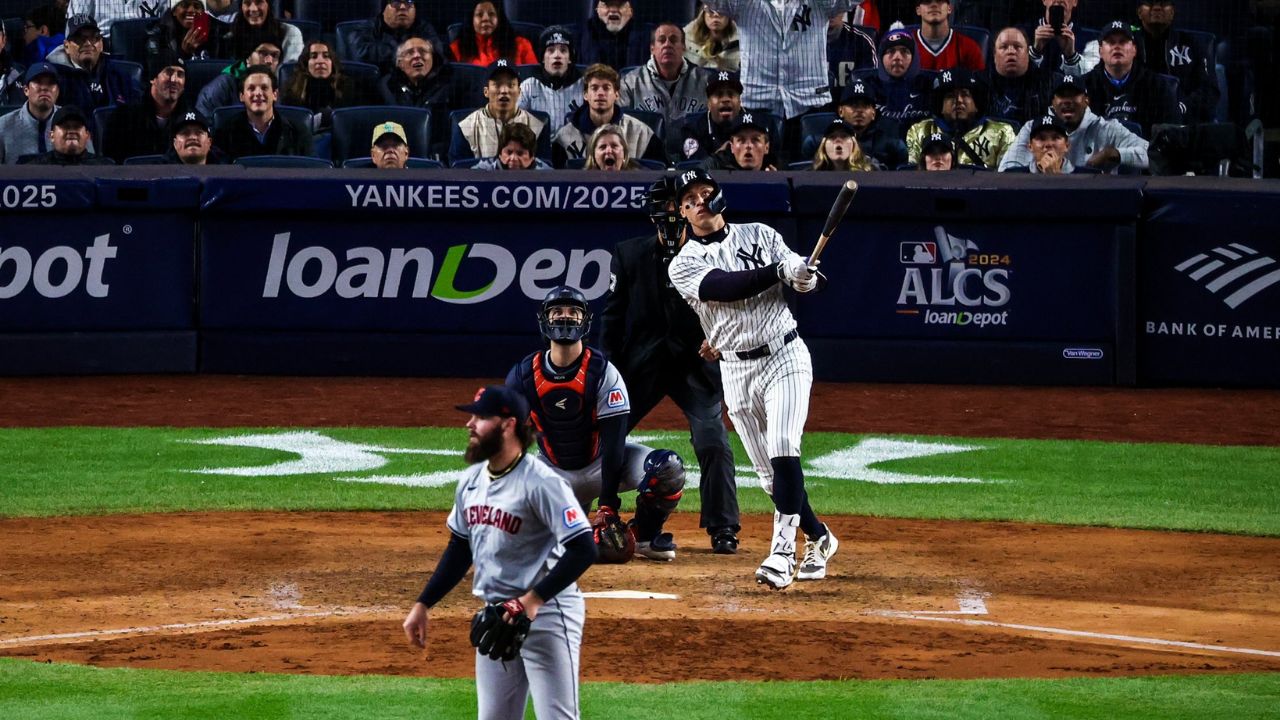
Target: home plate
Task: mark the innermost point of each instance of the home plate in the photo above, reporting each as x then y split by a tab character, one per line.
630	595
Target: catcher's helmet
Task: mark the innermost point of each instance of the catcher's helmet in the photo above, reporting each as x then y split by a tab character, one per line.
565	331
664	477
716	203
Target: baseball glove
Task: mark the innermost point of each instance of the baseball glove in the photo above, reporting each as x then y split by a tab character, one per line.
493	636
615	540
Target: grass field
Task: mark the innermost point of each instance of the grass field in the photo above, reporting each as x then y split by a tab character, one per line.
76	471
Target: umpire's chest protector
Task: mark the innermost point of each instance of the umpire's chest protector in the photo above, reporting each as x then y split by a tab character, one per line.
563	408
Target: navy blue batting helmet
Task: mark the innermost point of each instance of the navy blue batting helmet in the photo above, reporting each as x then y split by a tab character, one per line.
716	204
565	331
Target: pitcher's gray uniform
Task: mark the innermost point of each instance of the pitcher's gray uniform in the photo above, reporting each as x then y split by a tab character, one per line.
516	525
729	275
784	51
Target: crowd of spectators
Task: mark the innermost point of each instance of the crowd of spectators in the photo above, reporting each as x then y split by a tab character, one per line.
742	85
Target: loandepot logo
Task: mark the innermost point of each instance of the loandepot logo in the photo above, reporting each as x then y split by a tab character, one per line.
948	281
321	454
1235	272
310	271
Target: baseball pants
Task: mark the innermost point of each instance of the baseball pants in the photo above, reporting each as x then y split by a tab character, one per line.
547	668
768	401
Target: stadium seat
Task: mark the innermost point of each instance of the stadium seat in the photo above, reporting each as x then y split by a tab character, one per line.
145	160
811	129
200	73
443	13
527	71
544	13
129	39
648	117
13	26
310	30
982	36
353	129
468	84
544	137
412	162
688	164
344	34
651	164
464	163
801	165
6	109
527	30
135	71
328	13
283	161
575	163
101	121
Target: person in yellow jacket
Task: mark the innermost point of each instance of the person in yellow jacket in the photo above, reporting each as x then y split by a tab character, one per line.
959	112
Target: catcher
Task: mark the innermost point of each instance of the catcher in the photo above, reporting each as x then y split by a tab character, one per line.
510	516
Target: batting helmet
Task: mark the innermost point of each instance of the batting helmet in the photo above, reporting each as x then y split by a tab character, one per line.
565	331
663	482
716	204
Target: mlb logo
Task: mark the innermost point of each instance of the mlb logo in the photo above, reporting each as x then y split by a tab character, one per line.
573	517
918	253
616	398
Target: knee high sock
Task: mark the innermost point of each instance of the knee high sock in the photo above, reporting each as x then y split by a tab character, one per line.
790	498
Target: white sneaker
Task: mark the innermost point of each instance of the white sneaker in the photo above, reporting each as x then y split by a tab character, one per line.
816	555
661	548
779	569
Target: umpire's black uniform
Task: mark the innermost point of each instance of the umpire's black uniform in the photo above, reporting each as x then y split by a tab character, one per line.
652	336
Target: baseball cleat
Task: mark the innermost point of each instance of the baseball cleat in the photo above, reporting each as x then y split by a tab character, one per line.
724	542
662	548
777	571
816	554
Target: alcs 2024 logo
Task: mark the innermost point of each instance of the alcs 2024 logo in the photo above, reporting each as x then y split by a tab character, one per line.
949	281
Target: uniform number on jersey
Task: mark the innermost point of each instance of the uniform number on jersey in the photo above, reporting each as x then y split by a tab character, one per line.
616	398
573	517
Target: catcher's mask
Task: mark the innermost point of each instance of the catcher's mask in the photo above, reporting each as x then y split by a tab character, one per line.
716	204
564	330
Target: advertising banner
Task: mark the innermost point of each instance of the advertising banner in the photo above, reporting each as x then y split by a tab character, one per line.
1209	287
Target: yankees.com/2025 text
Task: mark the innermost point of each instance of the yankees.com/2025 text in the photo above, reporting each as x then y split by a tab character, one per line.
561	196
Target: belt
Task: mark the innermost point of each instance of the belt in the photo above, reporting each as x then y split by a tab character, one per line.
767	350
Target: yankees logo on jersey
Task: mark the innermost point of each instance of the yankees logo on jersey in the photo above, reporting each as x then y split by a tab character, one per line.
803	19
744	324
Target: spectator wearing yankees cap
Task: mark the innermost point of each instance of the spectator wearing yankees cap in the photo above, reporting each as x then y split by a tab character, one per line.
377	41
711	41
749	147
1095	142
706	133
192	143
88	77
849	49
141	128
556	87
69	141
880	138
937	153
476	135
839	150
1167	50
1119	89
901	88
960	102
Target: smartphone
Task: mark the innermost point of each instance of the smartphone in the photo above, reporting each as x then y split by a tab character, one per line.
202	24
1057	18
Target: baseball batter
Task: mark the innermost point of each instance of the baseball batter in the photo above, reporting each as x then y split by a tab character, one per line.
579	406
529	541
729	275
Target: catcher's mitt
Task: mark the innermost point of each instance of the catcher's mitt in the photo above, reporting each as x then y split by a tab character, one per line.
493	636
615	540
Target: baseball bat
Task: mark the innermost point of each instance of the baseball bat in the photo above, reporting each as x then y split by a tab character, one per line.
834	217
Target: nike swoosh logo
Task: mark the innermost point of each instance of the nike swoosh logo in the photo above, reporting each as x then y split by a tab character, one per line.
913	96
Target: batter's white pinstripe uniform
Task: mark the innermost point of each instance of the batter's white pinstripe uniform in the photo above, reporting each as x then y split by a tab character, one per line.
767	394
784	51
106	12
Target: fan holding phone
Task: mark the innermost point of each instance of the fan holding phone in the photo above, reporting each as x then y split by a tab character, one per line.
1054	41
186	32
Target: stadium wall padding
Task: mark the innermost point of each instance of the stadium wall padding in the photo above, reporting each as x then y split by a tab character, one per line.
933	277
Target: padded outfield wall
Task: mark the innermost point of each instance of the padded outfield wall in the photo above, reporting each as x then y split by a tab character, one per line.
953	277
